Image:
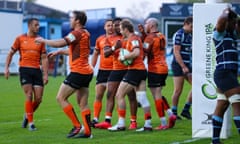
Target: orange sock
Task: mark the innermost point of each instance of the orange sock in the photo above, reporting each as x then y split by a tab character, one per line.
108	114
133	118
35	105
159	107
147	116
86	115
69	111
121	113
29	111
97	108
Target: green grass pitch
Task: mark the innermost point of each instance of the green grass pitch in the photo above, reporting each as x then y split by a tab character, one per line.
53	125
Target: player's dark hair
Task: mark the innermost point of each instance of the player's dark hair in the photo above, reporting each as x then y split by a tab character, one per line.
188	20
81	16
232	15
127	24
117	19
30	20
107	20
238	22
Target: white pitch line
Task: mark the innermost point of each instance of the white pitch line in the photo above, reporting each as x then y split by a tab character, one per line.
16	122
186	141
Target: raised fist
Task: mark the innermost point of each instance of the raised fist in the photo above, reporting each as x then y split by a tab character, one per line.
107	51
118	44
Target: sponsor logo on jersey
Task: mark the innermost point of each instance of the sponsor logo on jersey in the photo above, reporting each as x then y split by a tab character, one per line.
145	45
71	37
135	43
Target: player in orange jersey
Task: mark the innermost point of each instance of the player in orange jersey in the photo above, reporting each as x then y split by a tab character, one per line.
31	78
154	46
112	86
115	78
80	76
105	67
135	75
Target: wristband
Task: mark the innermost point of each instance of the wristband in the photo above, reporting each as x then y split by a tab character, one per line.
113	48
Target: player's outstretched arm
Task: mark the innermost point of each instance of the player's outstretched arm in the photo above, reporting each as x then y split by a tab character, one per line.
59	52
53	43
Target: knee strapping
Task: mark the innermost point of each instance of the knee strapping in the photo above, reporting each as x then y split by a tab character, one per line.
142	99
221	97
234	98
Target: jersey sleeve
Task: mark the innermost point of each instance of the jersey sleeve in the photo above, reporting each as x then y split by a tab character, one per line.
97	44
162	41
16	44
177	39
135	42
72	37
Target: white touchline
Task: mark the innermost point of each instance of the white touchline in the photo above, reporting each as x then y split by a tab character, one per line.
187	141
15	122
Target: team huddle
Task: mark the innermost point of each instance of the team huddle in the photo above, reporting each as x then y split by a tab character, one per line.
121	73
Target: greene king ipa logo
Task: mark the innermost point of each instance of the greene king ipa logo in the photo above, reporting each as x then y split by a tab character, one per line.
209	88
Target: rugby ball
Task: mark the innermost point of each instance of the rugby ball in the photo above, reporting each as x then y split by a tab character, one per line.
124	52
